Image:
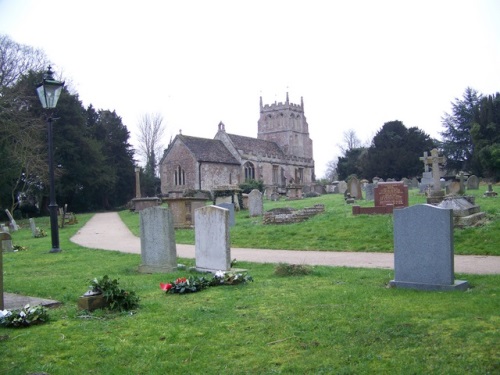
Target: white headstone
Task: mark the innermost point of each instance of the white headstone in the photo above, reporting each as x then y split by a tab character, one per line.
158	250
212	242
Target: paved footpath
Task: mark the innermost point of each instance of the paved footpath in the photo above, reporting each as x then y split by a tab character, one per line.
106	231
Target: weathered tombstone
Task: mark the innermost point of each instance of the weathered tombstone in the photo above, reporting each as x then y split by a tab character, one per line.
453	188
212	242
426	181
342	187
490	192
369	192
34	231
423	249
354	188
6	242
230	207
255	203
391	193
414	183
472	183
12	221
158	250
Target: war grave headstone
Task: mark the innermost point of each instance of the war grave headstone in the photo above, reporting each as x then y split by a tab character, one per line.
158	249
354	188
6	242
472	183
424	250
387	195
230	207
212	241
255	203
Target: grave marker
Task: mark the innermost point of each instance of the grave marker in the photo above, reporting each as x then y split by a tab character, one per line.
212	242
230	207
423	249
472	183
255	203
12	221
394	193
6	242
158	250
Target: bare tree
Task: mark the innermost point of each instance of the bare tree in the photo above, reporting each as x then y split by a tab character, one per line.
17	59
151	130
331	170
351	141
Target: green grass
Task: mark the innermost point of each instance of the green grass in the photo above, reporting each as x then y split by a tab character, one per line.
338	230
334	320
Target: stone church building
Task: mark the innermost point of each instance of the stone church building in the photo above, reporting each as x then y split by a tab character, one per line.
280	156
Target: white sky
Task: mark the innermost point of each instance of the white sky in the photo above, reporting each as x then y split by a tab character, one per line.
357	64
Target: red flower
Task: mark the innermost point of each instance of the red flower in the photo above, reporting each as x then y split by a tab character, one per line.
180	280
166	287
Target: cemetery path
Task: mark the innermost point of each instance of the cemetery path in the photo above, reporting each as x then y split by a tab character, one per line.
107	231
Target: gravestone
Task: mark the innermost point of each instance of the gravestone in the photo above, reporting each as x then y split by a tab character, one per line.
472	183
342	187
13	224
453	188
212	242
391	193
426	181
490	193
6	242
230	207
255	203
369	192
354	188
423	249
34	231
158	250
414	183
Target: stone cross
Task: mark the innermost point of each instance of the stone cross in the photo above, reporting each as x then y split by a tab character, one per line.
436	161
426	161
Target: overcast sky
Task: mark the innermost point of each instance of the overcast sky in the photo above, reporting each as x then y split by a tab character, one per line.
357	64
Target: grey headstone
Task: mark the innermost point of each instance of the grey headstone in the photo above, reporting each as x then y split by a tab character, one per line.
6	242
34	231
230	207
255	203
158	250
342	187
212	242
423	249
472	183
13	223
369	192
426	181
354	188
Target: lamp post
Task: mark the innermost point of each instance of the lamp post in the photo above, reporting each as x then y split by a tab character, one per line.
48	92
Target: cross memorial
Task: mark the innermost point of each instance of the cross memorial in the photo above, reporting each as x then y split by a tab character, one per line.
435	160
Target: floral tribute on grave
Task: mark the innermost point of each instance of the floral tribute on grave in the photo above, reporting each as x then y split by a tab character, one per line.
183	285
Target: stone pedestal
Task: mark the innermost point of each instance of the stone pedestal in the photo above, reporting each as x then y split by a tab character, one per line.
92	302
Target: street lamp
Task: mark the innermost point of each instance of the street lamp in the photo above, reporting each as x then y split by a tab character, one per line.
48	92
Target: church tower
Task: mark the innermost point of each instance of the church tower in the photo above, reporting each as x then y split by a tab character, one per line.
285	124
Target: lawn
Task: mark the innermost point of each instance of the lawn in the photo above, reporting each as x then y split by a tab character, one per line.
334	320
338	230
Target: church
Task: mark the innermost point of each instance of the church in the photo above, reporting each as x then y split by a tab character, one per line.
280	156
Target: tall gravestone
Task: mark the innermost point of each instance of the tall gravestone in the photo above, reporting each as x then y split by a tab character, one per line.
255	203
6	242
369	192
158	250
212	242
354	188
423	249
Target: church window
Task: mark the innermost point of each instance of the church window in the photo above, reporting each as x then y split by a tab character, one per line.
249	171
275	175
179	176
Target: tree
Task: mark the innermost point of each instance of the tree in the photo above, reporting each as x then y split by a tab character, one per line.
351	163
395	152
151	130
351	141
457	142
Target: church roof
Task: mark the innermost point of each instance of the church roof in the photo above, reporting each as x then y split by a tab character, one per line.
208	150
256	146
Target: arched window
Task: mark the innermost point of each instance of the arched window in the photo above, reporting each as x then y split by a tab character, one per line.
249	171
179	176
